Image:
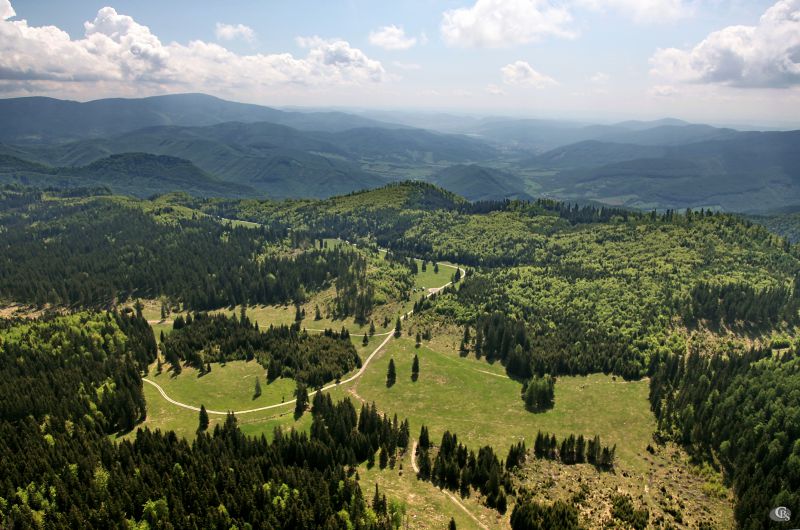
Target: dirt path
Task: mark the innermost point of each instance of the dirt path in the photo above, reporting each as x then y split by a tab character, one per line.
450	496
350	379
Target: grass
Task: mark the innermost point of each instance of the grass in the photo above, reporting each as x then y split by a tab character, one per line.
479	403
482	406
228	386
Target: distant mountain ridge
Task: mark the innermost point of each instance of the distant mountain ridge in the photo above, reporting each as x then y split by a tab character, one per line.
230	149
137	174
748	172
41	119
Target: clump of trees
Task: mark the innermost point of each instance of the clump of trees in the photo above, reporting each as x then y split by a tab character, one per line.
460	470
575	450
283	350
539	393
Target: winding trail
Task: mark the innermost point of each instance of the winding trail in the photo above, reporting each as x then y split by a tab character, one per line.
350	379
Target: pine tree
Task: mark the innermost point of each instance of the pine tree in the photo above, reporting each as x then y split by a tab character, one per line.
317	313
203	425
435	268
391	374
418	339
398	328
365	341
257	392
415	368
424	438
371	328
302	400
383	461
452	525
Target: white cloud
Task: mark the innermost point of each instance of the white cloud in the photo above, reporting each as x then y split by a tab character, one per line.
600	78
643	11
231	32
392	38
494	90
662	91
116	53
6	11
522	73
766	55
407	66
503	23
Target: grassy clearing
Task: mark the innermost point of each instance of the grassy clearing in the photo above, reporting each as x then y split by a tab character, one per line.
228	386
478	402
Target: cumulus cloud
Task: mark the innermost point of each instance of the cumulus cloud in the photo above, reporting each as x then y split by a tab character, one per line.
643	11
6	11
118	51
232	32
502	23
522	73
392	38
765	55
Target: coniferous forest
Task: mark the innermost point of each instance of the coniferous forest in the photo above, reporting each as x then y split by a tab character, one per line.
704	304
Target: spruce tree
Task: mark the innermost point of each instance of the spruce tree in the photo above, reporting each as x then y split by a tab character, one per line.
257	391
418	340
203	424
317	313
452	525
383	461
365	341
424	438
391	374
371	328
415	368
398	328
302	400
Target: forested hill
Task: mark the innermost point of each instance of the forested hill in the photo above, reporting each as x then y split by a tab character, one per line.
696	300
61	469
135	174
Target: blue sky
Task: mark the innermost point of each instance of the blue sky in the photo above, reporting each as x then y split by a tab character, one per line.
723	61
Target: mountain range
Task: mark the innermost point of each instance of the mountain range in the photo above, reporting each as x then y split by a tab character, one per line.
211	147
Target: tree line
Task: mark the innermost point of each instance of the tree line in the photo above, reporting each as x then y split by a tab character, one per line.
310	359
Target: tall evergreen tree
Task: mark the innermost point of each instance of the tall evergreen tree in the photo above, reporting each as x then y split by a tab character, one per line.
391	374
300	405
203	423
415	368
257	391
398	328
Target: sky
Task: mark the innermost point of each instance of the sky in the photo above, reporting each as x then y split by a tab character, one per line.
716	61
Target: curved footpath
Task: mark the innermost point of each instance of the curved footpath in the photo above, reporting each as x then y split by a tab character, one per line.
355	376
